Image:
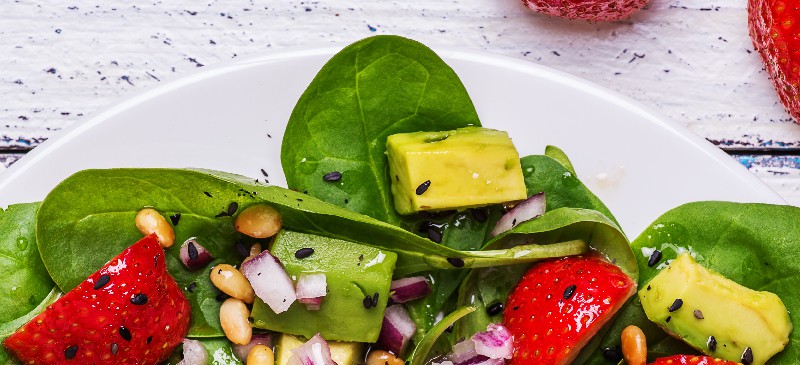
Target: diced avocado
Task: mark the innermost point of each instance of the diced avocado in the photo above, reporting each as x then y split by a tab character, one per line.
465	168
352	271
693	304
343	353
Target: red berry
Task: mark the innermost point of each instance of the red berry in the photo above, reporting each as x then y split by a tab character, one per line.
560	304
692	360
130	311
776	36
596	10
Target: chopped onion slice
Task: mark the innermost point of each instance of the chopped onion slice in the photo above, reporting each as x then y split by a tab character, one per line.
495	343
194	256
407	289
397	329
312	304
526	210
311	288
241	351
270	281
313	352
193	353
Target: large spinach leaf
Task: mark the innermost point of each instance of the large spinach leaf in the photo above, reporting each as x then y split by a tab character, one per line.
752	244
88	218
25	281
371	89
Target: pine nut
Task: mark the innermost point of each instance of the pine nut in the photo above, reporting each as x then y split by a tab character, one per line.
258	221
233	316
260	355
232	282
255	249
634	346
150	221
380	357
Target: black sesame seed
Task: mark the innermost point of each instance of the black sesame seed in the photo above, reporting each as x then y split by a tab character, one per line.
434	235
747	356
422	188
232	208
264	172
494	309
149	339
570	291
368	302
612	354
655	257
648	287
455	261
139	299
175	218
669	318
332	176
190	287
698	314
677	304
70	352
102	281
375	299
125	333
712	343
479	215
114	348
304	252
207	194
221	214
192	250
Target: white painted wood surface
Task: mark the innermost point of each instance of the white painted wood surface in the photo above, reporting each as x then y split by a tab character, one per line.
690	60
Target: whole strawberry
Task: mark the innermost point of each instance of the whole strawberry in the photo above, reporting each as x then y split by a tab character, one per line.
691	360
776	36
560	304
595	10
129	312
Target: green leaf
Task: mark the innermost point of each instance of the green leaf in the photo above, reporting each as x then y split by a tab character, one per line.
559	155
25	281
373	88
8	328
421	351
751	244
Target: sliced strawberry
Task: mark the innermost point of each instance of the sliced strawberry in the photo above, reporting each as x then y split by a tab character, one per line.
595	10
775	32
691	360
129	312
560	304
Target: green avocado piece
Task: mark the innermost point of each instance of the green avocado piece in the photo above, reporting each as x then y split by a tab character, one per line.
693	304
343	353
353	271
465	168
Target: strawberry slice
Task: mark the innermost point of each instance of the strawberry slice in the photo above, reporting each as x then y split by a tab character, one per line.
691	360
593	10
130	311
560	304
775	32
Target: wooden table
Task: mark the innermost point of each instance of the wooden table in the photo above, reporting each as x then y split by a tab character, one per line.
690	60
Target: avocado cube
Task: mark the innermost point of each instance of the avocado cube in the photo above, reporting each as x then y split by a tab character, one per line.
353	271
693	304
343	353
460	169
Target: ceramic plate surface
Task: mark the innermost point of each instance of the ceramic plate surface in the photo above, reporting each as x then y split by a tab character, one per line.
231	117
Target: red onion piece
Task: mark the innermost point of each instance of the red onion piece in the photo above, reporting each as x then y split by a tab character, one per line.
193	353
194	256
311	288
526	210
397	329
464	354
407	289
313	352
495	343
270	281
312	304
241	351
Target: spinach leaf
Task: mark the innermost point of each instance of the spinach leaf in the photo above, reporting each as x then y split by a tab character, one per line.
371	89
8	328
25	281
752	244
88	218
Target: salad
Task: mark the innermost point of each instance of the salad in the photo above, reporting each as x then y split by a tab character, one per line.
408	233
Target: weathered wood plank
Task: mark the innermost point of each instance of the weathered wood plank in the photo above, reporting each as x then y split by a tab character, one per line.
781	173
65	61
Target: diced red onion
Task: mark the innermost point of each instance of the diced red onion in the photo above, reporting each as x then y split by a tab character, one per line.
406	289
464	354
311	288
312	304
270	281
313	352
526	210
193	353
194	256
397	329
241	351
495	343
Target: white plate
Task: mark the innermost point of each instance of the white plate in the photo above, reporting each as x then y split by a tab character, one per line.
231	117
